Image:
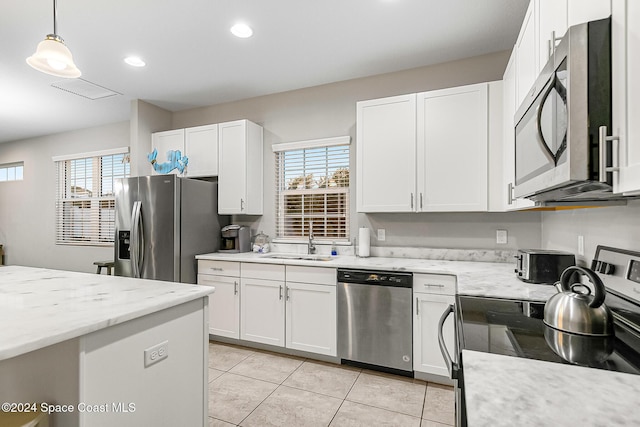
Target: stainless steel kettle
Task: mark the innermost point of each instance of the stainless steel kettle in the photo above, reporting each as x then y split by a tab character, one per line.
573	309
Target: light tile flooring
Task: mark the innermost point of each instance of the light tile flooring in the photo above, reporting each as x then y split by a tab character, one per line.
249	387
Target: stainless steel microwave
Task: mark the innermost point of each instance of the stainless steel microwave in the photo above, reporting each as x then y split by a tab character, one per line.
561	149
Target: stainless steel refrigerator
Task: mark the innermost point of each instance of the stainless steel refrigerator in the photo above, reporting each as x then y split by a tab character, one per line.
162	222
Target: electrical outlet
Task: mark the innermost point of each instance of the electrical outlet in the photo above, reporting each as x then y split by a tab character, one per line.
381	234
581	245
156	353
501	237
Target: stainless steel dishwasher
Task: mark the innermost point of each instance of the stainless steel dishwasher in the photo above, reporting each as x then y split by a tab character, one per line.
375	320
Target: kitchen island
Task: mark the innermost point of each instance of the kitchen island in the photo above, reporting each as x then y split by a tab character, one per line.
103	350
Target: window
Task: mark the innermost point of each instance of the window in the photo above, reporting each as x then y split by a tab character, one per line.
11	172
85	200
312	189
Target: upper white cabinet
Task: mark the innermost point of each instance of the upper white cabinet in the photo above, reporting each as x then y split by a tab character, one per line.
424	152
240	152
452	149
552	25
626	93
385	154
526	55
166	141
579	11
199	144
508	151
201	147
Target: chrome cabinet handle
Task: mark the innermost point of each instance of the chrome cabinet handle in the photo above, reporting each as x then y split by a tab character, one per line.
510	198
215	269
420	200
433	285
602	151
411	200
241	204
451	366
235	288
417	307
286	293
280	291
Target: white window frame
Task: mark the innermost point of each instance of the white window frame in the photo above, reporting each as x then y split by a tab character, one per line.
94	226
341	193
10	172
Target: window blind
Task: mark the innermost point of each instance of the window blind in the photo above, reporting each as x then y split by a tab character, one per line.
312	193
85	198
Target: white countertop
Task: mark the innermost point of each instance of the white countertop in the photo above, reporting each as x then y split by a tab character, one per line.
491	279
512	391
40	307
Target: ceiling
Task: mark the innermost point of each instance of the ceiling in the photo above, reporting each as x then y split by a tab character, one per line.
193	60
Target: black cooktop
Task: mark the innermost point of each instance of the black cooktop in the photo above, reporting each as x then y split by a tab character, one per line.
516	328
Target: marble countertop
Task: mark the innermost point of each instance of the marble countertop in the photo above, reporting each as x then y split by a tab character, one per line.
512	391
492	279
41	307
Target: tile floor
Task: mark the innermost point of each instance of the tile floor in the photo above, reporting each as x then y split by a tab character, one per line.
249	387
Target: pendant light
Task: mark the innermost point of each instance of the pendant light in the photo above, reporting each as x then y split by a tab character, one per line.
52	56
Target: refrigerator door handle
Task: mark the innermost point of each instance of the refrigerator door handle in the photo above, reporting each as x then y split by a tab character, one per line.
136	238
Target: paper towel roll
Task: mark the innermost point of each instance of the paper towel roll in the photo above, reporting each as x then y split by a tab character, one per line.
364	242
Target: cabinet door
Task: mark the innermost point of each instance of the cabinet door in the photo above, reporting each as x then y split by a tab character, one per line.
262	314
224	305
385	154
526	56
625	32
426	351
164	142
311	318
232	172
579	11
452	149
509	110
201	146
552	25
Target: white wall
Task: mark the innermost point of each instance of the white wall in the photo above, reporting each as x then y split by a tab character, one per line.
330	110
27	207
617	226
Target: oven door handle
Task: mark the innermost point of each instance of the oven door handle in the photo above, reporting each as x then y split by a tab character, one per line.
452	367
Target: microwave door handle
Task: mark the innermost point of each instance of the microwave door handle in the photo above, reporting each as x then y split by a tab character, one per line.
540	138
452	367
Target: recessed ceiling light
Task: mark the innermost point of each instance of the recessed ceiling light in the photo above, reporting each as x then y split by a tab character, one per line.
134	61
242	31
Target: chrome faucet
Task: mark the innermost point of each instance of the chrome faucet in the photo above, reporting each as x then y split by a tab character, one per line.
311	248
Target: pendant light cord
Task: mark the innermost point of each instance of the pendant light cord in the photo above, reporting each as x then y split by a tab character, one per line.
55	13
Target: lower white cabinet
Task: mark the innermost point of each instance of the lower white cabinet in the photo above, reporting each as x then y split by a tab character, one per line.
224	305
432	295
262	311
311	318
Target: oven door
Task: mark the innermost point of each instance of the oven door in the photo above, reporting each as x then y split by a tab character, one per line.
541	138
454	368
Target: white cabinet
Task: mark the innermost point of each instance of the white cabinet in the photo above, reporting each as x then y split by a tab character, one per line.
166	141
452	149
626	93
424	152
199	144
262	314
311	309
240	153
201	147
526	56
509	110
433	293
224	303
579	11
385	154
552	25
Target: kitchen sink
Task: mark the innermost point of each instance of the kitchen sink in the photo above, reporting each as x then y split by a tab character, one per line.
310	257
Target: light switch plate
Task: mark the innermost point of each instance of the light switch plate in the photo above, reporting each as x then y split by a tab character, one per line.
501	237
381	234
156	353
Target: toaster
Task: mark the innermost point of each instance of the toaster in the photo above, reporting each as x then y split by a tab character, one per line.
542	265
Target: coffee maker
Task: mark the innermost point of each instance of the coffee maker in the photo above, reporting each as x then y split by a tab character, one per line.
235	238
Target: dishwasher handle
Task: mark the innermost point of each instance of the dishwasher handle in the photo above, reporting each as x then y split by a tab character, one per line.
452	367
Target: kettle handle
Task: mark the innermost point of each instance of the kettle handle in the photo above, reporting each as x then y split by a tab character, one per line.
598	286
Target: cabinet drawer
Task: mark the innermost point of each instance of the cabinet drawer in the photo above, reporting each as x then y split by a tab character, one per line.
262	271
434	284
316	275
220	268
